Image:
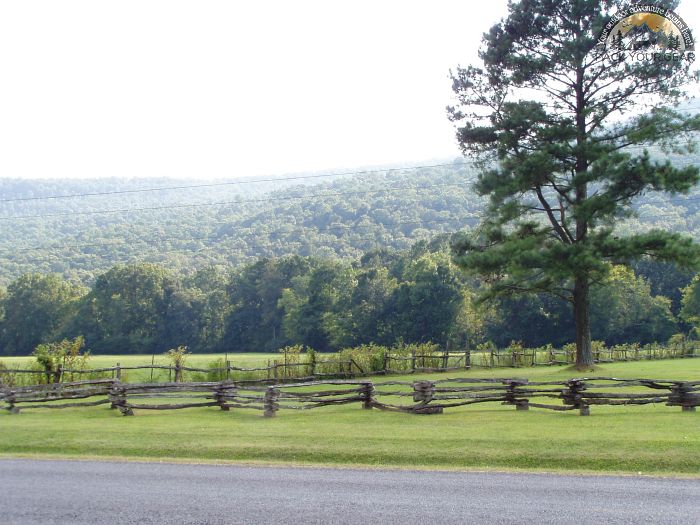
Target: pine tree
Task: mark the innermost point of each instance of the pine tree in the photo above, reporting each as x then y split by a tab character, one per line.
674	42
617	41
560	132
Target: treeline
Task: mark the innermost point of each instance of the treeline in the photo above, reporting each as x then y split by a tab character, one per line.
384	297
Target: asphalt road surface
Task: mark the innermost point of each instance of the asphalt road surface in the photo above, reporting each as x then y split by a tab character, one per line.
103	492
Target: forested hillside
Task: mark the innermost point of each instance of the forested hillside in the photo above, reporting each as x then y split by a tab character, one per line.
385	297
121	221
229	224
323	260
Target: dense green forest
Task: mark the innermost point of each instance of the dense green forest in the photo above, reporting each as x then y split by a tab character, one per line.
385	297
331	217
324	260
320	215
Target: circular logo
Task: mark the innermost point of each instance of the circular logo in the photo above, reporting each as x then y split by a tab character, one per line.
647	33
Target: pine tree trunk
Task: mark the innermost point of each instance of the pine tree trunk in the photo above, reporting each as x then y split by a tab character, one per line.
584	352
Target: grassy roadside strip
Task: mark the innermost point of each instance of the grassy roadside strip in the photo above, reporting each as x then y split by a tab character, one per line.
653	440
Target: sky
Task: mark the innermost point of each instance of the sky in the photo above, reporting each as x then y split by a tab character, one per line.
224	89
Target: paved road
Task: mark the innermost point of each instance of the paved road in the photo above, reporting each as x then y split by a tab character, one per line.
101	492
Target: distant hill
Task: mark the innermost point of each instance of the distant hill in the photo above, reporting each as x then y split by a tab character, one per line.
339	216
229	224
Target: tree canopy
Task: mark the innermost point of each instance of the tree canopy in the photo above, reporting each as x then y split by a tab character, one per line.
553	121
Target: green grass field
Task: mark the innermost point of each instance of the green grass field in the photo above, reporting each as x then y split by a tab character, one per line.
649	439
193	360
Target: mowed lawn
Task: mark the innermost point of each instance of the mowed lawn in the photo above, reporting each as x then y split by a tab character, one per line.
652	439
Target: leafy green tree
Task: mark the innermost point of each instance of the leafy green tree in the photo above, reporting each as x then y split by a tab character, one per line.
690	305
543	115
666	279
126	310
623	310
316	307
372	308
209	308
3	295
534	320
255	320
428	300
37	309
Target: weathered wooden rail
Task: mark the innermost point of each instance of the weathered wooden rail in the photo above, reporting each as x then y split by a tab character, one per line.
284	371
418	397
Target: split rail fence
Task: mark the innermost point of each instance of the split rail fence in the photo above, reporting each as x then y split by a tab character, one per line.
418	397
278	371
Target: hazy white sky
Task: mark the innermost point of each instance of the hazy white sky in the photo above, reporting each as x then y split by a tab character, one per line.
226	89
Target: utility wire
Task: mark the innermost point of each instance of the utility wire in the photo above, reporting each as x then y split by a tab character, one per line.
237	182
193	205
222	203
248	181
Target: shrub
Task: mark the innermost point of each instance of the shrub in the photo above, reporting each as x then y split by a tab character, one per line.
178	357
368	358
53	358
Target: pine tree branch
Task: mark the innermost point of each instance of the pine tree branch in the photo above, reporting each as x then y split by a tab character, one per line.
563	234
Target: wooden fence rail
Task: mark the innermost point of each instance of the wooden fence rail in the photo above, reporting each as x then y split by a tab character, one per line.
349	368
418	397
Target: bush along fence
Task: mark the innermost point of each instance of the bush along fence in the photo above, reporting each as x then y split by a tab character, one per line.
367	360
419	397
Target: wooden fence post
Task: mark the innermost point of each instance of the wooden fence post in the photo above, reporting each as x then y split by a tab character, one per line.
682	395
312	367
467	357
367	394
220	392
117	395
57	374
572	396
413	360
511	395
386	362
119	372
423	392
271	404
113	392
10	400
445	358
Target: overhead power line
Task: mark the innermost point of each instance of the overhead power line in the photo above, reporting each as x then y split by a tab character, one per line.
247	181
222	203
236	182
